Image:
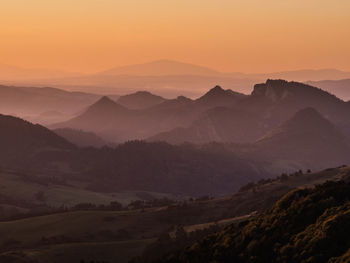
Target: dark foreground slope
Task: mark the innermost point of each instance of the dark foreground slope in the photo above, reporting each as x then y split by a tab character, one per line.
117	236
306	225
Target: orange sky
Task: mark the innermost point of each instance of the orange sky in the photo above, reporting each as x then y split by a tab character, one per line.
228	35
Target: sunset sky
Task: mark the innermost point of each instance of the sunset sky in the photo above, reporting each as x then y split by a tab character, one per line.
227	35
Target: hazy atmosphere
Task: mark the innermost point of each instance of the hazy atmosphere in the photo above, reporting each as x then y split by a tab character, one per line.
88	36
174	131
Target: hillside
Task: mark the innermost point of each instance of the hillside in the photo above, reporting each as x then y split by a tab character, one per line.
80	138
308	139
105	117
306	225
21	140
219	124
34	103
118	235
340	88
218	97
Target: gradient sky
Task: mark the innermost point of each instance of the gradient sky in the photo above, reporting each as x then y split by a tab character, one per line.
228	35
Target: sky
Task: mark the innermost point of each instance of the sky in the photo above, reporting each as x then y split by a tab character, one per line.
227	35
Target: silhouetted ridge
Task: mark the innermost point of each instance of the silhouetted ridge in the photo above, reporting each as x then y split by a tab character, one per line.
105	105
140	100
305	120
308	138
21	139
281	89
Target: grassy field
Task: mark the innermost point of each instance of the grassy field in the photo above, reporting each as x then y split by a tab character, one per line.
23	188
121	251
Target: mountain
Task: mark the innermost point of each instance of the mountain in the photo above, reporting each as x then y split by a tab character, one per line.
238	117
105	118
340	88
40	104
80	138
114	122
246	118
21	140
307	138
278	100
219	124
140	100
161	68
217	96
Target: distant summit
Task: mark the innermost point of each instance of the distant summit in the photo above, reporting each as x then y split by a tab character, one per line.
103	113
217	96
161	68
140	100
307	120
308	138
104	105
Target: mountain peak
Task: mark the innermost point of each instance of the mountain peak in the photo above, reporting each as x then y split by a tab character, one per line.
140	100
105	104
272	89
307	120
105	100
217	96
280	89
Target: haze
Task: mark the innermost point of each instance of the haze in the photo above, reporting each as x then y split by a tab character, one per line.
247	36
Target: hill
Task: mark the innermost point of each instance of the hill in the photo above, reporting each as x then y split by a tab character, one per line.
105	117
306	225
80	138
21	140
34	103
140	100
219	124
217	96
308	139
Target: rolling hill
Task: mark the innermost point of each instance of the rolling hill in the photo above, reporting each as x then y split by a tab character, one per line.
43	105
305	225
140	100
308	139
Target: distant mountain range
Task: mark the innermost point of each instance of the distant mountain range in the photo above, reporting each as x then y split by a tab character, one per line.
169	78
224	116
43	105
247	125
340	88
